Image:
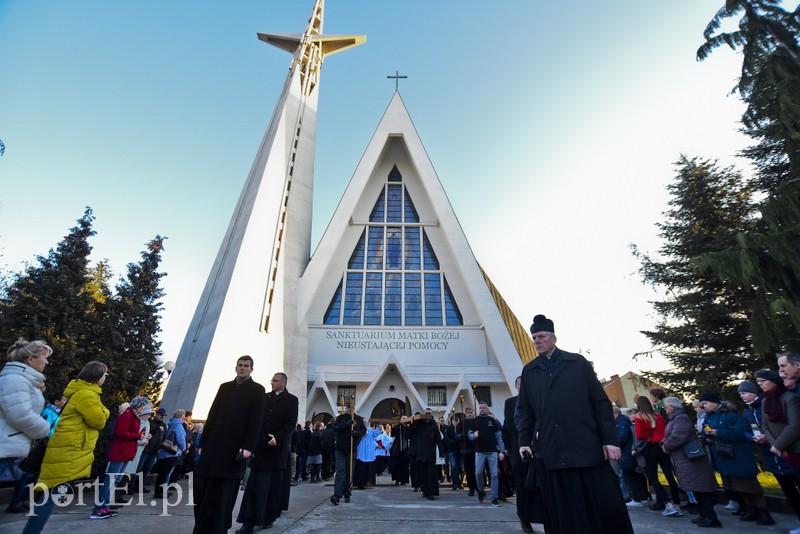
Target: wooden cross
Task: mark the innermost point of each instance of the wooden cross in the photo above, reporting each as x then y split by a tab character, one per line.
396	78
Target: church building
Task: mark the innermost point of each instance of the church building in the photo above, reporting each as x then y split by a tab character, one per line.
392	312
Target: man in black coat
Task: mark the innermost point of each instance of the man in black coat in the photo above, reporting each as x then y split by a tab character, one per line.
269	465
348	430
466	426
303	441
565	414
229	437
428	441
328	452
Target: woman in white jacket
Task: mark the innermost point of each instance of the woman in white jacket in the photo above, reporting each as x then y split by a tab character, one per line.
21	400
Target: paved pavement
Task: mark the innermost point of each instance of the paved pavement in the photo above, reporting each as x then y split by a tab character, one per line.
384	509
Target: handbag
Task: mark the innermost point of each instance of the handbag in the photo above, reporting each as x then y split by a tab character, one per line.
725	450
33	462
693	449
169	445
641	446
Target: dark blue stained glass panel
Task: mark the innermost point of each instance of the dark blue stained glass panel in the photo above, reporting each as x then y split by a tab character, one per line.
357	258
431	262
394	204
394	175
410	210
451	311
433	299
413	299
378	210
334	308
394	248
393	311
373	293
352	298
375	248
412	249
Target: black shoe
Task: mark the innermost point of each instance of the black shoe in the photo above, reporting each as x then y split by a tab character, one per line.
268	525
247	528
656	506
764	518
17	508
481	495
709	523
471	493
347	498
526	527
749	515
696	520
335	500
495	502
431	498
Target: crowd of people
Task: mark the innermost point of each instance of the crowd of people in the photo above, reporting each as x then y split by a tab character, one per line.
53	444
574	462
736	444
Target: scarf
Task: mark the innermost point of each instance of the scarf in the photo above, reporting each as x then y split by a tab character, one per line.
773	408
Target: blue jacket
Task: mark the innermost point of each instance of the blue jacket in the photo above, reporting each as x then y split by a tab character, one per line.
731	428
176	426
754	416
626	459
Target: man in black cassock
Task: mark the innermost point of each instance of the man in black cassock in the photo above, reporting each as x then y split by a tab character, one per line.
566	415
428	440
269	466
229	438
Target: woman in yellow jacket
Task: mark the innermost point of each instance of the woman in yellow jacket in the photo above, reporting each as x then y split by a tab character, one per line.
70	451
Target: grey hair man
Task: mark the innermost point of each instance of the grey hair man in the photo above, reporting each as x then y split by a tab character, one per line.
789	365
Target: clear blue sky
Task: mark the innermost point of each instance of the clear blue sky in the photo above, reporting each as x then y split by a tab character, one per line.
552	125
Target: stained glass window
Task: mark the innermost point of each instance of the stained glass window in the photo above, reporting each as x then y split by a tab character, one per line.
393	276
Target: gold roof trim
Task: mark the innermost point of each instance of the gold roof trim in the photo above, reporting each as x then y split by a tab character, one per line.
519	335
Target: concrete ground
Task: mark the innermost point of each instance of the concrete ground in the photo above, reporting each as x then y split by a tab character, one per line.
384	509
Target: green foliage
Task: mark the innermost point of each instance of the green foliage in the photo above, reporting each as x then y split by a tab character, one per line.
703	320
66	302
766	256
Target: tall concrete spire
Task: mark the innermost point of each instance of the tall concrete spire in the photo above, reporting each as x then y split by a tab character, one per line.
248	305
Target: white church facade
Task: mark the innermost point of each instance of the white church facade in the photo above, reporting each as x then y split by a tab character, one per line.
397	308
392	311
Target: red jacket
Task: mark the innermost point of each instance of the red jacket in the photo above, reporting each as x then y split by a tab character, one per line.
126	435
643	429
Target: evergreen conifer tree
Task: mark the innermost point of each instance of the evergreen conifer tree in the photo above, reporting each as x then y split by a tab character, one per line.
767	256
703	321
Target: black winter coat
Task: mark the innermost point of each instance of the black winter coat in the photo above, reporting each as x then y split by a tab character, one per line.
568	409
427	437
344	429
280	416
233	424
303	438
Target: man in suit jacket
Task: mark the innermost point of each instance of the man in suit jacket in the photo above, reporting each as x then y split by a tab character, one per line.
269	466
565	413
229	437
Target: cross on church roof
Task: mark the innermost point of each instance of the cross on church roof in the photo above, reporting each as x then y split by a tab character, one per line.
397	80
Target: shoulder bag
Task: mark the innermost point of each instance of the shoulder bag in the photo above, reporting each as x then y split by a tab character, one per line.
694	450
640	446
169	445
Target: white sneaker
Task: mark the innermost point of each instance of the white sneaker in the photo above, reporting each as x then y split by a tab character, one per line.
634	504
732	506
672	511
